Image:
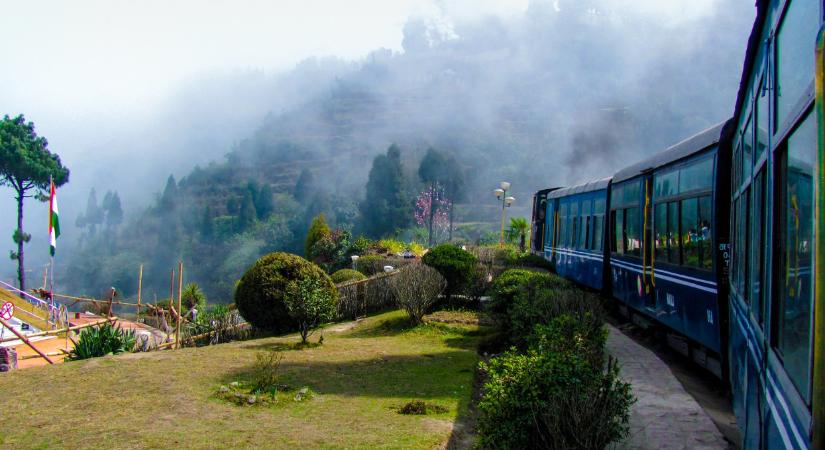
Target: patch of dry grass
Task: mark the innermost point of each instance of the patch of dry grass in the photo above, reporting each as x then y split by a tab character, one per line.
166	399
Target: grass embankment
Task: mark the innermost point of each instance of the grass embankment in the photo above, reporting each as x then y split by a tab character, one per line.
360	377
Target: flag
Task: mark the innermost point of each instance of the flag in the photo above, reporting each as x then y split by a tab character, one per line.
54	223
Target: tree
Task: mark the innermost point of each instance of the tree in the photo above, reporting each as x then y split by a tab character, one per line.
432	211
437	168
263	203
310	302
248	215
416	289
207	223
518	229
169	198
94	214
113	208
386	207
304	186
317	231
26	164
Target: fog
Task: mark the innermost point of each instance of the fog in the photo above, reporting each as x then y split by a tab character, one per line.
539	93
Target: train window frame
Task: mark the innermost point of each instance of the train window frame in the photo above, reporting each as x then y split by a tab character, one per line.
787	113
780	247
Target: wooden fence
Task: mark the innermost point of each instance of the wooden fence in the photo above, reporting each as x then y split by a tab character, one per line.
359	298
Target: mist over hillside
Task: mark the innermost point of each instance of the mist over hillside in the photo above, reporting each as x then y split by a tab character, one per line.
566	91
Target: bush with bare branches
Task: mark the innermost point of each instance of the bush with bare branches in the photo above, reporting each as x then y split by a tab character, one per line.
416	289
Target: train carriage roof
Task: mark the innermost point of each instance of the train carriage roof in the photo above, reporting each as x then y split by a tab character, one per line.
590	186
750	55
684	149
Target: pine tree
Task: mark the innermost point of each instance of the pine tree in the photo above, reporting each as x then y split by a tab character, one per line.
386	207
169	198
94	214
304	186
247	216
114	211
317	231
263	204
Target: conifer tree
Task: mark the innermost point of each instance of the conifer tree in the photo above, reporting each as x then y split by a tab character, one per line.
386	207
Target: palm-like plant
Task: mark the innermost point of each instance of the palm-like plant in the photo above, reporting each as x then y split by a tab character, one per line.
518	229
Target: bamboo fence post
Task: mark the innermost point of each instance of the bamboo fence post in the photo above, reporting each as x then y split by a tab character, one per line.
140	288
180	295
25	340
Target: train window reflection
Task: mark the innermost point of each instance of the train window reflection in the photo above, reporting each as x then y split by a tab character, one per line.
795	286
697	176
597	232
660	231
747	152
762	123
674	255
794	55
690	234
617	224
704	233
758	240
633	235
666	185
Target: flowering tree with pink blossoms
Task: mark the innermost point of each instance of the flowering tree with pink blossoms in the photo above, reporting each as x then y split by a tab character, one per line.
432	211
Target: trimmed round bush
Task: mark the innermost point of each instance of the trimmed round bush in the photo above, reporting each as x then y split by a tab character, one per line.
457	266
369	264
344	275
260	293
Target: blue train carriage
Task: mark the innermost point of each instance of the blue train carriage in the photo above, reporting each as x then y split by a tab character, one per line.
539	225
574	232
668	241
776	367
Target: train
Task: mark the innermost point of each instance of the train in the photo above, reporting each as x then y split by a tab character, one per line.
719	240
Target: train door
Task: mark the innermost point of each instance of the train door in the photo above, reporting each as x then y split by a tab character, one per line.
647	245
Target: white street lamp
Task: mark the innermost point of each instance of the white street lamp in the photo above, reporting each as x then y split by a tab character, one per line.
506	201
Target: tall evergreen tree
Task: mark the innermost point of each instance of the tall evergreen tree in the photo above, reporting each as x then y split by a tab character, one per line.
94	213
317	231
304	186
113	208
169	198
263	204
26	165
386	207
247	215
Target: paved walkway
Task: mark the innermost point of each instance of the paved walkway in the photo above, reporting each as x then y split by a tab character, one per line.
664	416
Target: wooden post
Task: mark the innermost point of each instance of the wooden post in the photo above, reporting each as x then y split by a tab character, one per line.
25	341
180	295
140	287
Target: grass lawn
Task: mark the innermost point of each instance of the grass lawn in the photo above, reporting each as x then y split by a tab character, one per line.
360	376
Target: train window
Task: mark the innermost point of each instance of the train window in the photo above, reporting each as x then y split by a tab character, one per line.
660	231
584	236
734	211
795	55
762	123
690	233
674	254
617	224
633	233
744	244
666	184
576	224
747	152
758	240
598	222
795	286
698	176
631	193
737	166
705	233
598	207
564	225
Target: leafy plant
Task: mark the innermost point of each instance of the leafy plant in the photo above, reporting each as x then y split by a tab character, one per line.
416	249
193	297
261	293
416	289
310	302
391	246
519	227
344	275
265	374
457	266
318	229
102	340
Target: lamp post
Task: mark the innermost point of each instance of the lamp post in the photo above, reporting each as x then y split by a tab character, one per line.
506	201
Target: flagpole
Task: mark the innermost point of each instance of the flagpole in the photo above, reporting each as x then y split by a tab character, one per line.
51	254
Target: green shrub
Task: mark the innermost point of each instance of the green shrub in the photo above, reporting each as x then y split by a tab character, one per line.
265	374
457	266
370	265
416	289
512	281
539	305
344	275
360	245
391	246
103	340
318	229
260	294
556	395
416	249
193	297
311	302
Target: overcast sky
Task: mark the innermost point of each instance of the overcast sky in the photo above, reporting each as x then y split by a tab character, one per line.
65	55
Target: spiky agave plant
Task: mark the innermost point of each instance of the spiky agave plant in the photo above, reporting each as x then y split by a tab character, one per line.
103	340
